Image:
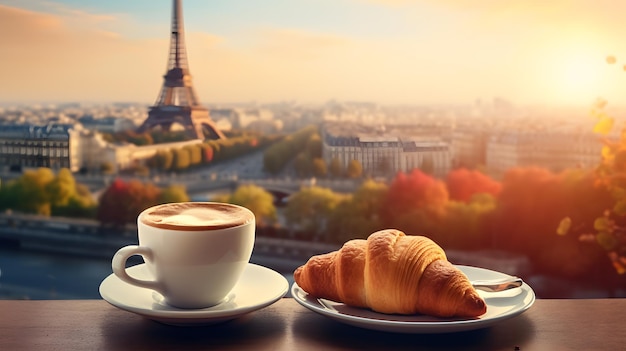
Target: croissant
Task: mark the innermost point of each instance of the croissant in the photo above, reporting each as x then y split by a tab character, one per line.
393	273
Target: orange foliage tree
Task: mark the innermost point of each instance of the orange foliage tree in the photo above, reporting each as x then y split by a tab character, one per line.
530	206
463	184
609	228
122	201
414	202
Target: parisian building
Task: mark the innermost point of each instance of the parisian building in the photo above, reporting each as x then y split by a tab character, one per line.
383	152
25	146
69	146
554	150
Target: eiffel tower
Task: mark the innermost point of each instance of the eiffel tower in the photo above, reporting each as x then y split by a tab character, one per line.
177	102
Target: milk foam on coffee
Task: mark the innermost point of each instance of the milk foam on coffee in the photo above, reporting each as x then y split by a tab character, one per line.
196	216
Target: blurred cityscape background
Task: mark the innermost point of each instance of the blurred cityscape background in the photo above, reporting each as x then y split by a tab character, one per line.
533	189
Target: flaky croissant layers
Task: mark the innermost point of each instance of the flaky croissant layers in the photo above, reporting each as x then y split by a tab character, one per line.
391	272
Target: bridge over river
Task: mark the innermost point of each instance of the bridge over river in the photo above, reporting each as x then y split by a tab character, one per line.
198	184
280	188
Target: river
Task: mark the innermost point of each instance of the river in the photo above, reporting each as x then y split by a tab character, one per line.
43	276
38	275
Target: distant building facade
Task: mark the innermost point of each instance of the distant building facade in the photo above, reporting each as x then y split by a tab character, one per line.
549	149
469	145
24	145
109	125
382	153
69	146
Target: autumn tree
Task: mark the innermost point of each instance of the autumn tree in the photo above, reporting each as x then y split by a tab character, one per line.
173	193
359	214
309	210
319	168
195	154
164	159
280	153
207	153
608	230
61	188
530	206
122	202
354	169
257	200
107	168
302	165
42	192
414	202
80	204
462	184
181	159
30	189
215	149
314	146
465	224
334	169
428	165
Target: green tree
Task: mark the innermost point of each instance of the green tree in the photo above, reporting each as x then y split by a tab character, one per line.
282	152
302	165
314	146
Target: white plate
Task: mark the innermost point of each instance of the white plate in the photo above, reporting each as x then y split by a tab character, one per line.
258	287
500	306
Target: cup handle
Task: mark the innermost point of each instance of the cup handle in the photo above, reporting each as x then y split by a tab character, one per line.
119	266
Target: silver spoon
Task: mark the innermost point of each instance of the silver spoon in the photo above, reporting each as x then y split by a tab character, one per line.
495	285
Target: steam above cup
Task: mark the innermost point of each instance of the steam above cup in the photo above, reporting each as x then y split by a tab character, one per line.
196	251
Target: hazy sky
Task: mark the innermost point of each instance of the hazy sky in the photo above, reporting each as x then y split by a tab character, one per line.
386	51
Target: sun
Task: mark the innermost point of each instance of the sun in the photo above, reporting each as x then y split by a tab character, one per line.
579	77
574	73
580	72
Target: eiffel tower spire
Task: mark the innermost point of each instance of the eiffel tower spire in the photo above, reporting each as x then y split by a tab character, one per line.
177	101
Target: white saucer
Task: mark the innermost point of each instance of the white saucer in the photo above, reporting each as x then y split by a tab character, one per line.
500	306
258	287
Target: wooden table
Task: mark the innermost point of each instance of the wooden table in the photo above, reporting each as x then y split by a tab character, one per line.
584	324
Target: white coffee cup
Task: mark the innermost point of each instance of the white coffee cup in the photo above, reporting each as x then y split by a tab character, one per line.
196	251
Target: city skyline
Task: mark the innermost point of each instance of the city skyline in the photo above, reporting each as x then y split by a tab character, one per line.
386	51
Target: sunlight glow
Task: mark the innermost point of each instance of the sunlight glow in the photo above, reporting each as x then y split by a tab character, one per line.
578	73
581	73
